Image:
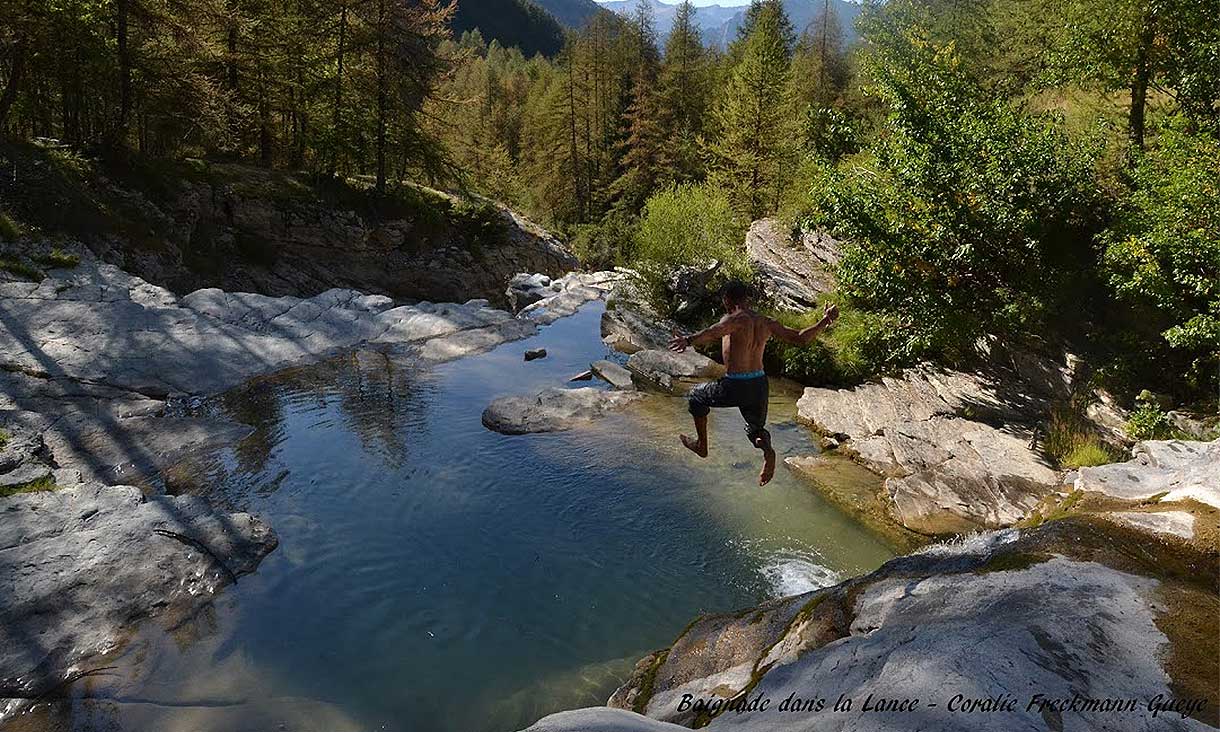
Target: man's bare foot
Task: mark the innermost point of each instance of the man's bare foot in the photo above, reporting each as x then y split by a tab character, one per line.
768	470
694	446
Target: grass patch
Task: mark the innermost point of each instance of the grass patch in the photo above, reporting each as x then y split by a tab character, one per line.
21	269
1072	442
59	259
10	230
40	485
4	437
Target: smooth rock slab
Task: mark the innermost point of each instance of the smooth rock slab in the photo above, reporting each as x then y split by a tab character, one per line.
945	472
613	374
100	325
1175	523
553	410
79	566
1011	612
673	372
950	475
601	719
1173	469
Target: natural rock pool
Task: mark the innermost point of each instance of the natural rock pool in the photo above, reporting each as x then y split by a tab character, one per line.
435	576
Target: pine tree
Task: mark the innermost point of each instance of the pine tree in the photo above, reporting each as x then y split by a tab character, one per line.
755	116
683	89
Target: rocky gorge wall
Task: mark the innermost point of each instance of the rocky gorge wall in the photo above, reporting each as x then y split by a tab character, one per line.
198	224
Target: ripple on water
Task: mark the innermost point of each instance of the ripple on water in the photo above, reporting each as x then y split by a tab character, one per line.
794	572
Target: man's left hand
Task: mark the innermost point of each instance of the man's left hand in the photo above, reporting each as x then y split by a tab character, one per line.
678	343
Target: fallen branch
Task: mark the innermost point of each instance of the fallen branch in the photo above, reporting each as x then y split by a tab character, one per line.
200	546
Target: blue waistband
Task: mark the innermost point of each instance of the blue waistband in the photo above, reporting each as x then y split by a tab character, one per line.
746	375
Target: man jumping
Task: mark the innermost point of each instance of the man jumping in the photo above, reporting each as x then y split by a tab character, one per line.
743	335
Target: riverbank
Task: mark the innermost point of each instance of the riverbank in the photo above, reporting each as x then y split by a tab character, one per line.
1117	603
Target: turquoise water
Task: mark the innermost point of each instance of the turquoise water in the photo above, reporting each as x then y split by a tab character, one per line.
433	576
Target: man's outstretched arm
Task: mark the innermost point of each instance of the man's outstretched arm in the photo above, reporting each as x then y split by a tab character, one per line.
709	334
805	336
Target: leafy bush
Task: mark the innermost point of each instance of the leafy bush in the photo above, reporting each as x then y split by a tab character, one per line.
1149	422
607	243
688	225
480	223
1164	250
829	133
970	215
859	346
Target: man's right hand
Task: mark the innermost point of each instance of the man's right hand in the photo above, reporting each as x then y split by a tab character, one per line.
678	343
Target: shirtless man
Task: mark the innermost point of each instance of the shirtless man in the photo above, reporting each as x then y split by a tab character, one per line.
743	335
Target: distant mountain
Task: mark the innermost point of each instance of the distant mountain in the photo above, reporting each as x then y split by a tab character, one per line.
718	24
571	13
520	23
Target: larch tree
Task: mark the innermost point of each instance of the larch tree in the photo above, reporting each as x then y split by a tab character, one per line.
755	115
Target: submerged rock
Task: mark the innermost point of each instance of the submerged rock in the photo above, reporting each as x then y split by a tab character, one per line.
79	565
553	410
533	354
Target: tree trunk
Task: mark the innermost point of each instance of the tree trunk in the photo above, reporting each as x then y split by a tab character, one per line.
14	82
381	95
337	118
121	7
1140	81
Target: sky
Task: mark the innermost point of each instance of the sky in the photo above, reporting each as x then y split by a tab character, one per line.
705	3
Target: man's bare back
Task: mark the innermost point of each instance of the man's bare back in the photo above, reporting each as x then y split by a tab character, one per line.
743	336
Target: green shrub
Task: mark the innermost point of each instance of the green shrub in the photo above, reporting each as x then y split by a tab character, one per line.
688	225
969	215
33	486
4	437
10	230
1164	250
1088	453
1149	422
59	259
859	346
21	269
481	223
608	243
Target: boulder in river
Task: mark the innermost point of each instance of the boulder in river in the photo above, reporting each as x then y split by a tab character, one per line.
613	374
553	409
673	372
954	448
527	289
1009	621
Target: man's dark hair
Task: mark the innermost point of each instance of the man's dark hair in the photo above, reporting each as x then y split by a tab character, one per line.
736	292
